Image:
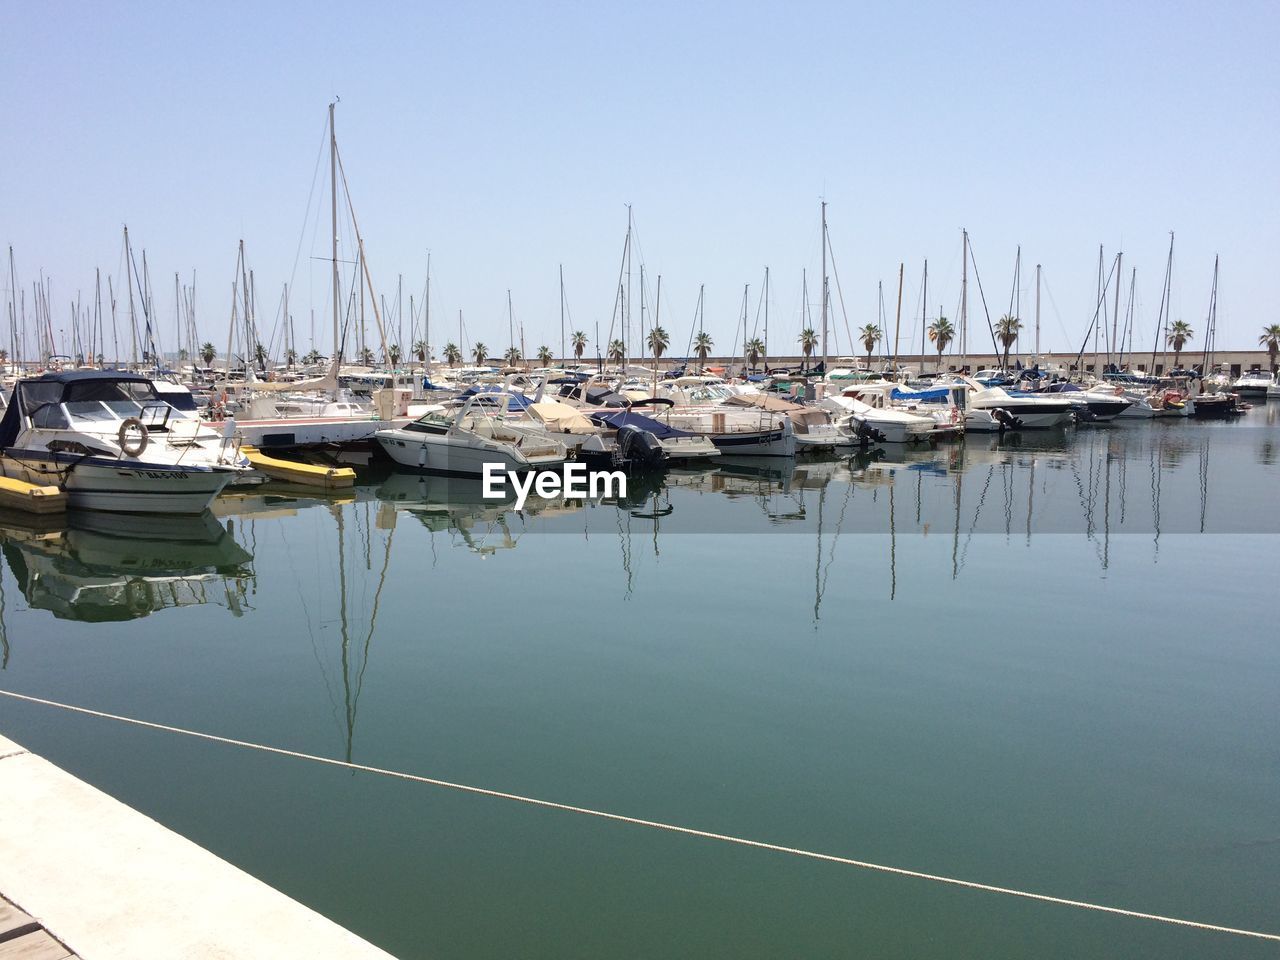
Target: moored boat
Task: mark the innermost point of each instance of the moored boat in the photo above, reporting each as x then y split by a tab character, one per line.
113	443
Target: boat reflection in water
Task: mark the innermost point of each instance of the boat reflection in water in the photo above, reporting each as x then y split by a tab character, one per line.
457	505
99	567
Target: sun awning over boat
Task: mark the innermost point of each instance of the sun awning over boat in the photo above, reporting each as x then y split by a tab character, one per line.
623	418
561	417
933	395
764	401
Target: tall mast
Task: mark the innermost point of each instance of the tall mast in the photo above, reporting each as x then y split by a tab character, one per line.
511	334
128	269
1211	334
1115	313
924	313
426	325
333	221
766	319
746	287
562	353
824	288
13	308
897	322
964	295
626	307
1037	313
1099	307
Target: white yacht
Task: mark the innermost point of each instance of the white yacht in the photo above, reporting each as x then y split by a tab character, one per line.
996	409
1254	383
113	443
483	430
881	425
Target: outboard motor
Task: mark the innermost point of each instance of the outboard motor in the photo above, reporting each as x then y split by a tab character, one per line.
640	448
1006	419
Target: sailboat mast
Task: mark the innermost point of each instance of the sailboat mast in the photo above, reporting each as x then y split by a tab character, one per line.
1037	313
562	353
924	313
897	321
824	288
964	294
766	319
1115	313
426	317
333	232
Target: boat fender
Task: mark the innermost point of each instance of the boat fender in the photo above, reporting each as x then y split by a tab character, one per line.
422	456
132	448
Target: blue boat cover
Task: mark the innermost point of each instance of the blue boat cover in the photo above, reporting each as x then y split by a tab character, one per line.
625	418
515	401
933	395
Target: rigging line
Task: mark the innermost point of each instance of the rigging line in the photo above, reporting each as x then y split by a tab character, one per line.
835	272
324	135
657	825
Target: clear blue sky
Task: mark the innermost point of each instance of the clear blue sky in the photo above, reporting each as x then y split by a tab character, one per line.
507	139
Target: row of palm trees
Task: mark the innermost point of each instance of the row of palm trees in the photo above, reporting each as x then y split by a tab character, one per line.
941	335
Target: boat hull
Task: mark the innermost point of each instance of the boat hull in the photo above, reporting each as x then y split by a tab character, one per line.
121	486
434	453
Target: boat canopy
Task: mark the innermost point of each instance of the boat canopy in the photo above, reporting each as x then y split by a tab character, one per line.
561	417
932	395
624	418
69	386
764	401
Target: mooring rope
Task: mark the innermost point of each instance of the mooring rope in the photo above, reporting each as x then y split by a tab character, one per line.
655	824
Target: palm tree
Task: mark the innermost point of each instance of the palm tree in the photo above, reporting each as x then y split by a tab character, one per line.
1179	333
480	351
291	357
260	356
870	335
941	333
544	356
1271	340
616	351
393	354
1007	329
207	353
512	356
366	357
4	355
755	350
183	356
420	350
312	357
702	345
808	340
452	355
658	342
579	341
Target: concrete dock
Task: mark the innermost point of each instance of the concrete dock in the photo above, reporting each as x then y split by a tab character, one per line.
84	875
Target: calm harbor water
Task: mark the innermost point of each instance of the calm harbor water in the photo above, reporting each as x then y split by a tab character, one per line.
1046	662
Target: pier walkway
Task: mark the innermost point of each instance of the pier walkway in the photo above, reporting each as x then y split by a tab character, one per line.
85	876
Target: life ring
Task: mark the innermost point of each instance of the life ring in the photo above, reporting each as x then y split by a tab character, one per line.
135	448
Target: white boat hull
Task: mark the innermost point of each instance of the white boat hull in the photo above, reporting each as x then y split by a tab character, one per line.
125	486
436	453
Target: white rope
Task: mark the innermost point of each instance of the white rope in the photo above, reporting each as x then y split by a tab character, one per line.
669	827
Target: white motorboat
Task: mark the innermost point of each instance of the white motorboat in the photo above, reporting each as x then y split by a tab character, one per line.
996	409
483	430
1254	383
110	440
880	424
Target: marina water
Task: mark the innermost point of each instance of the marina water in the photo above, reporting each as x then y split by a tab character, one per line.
992	660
